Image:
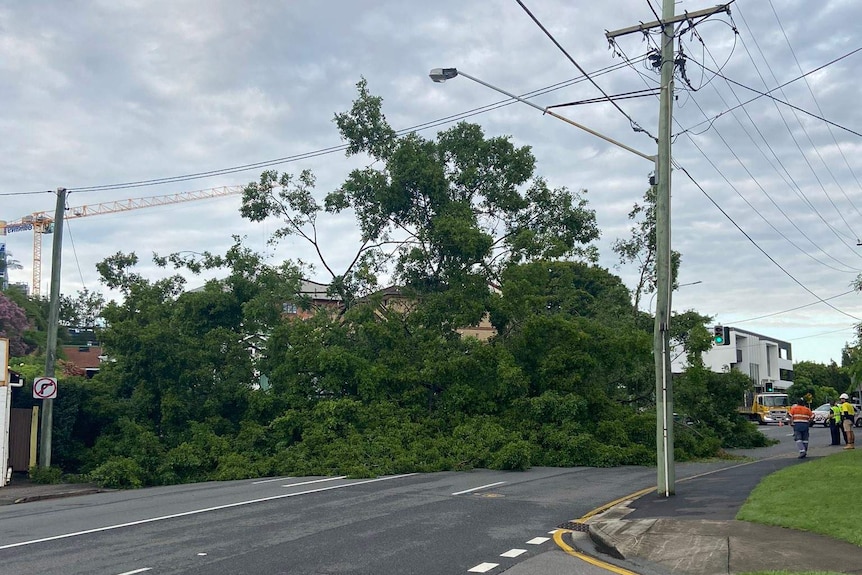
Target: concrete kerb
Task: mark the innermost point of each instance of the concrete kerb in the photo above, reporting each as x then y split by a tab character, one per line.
27	492
58	495
596	543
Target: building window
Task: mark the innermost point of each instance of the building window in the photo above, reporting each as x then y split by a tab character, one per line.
289	308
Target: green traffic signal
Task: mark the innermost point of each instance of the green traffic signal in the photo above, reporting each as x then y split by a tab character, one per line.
718	335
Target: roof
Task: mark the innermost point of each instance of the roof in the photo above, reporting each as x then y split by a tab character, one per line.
83	356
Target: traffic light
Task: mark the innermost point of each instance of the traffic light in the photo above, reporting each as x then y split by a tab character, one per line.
718	335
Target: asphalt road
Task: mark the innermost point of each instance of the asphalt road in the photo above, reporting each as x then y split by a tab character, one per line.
441	523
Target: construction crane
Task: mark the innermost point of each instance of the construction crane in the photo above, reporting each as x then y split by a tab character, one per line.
43	222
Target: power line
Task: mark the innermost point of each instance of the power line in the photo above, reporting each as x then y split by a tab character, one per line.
766	220
824	333
762	94
793	308
816	149
767	95
331	149
635	126
791	183
819	109
755	244
755	210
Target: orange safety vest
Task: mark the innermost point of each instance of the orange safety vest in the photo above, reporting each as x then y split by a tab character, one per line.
800	413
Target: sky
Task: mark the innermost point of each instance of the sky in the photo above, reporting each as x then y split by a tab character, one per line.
122	99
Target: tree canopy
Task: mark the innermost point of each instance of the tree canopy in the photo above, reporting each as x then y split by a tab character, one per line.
224	382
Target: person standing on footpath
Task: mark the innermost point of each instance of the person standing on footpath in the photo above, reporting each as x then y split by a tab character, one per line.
801	417
848	413
835	427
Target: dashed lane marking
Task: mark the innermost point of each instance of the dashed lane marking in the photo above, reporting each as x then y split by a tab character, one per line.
315	481
538	540
478	488
513	553
483	567
270	480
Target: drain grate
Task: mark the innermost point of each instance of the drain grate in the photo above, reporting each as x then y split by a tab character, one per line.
575	526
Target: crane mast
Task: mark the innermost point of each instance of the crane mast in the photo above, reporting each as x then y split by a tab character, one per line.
43	222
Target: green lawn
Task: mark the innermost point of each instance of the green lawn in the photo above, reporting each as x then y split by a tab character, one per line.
821	496
793	573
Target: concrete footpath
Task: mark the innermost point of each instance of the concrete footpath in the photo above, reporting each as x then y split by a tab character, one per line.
694	532
22	490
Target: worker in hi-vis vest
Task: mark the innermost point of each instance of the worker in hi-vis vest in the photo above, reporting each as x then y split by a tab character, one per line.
835	423
848	414
801	417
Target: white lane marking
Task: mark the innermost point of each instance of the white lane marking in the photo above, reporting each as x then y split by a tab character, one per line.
315	481
136	571
513	553
198	511
538	540
270	480
478	488
202	554
483	567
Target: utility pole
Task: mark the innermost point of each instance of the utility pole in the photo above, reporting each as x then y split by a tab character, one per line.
666	473
664	382
53	323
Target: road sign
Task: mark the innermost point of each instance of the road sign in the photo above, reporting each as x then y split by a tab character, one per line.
45	388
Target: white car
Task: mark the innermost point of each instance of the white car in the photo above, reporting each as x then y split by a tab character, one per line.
822	415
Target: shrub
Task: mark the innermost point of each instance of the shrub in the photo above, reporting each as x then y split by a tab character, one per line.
119	473
46	475
514	456
235	466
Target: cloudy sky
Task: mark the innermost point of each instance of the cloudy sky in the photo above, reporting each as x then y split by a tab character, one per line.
102	96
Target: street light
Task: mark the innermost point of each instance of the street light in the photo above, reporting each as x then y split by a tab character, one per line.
442	74
652	297
661	336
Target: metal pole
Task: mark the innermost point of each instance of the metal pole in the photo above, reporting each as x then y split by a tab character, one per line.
664	385
53	322
559	117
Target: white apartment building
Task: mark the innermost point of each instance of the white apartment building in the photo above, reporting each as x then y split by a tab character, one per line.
766	360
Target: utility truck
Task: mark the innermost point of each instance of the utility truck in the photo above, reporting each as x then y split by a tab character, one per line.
766	407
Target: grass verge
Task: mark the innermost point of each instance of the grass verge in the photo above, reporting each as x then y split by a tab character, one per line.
792	573
820	496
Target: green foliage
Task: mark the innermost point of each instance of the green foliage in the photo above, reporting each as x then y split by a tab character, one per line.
823	382
385	383
640	248
119	473
457	210
514	456
46	475
711	399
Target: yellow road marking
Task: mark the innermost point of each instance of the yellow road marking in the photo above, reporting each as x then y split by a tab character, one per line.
558	534
558	539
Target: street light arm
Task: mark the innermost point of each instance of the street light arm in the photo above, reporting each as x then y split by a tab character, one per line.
443	74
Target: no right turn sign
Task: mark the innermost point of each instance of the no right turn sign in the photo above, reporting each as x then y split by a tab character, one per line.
45	388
